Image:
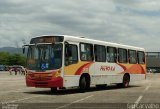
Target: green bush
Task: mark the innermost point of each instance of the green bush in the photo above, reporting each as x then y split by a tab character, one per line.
11	59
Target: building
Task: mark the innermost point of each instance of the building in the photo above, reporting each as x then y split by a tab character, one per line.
153	61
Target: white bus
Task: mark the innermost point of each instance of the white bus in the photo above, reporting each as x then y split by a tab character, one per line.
66	61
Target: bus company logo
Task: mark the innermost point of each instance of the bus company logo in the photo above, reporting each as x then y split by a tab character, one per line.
9	106
143	106
107	68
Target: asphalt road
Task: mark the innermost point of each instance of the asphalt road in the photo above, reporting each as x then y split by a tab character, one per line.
140	95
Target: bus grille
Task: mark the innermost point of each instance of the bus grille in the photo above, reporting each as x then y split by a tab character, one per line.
41	84
45	78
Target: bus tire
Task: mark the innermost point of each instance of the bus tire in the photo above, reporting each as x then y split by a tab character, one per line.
53	89
126	80
125	83
82	84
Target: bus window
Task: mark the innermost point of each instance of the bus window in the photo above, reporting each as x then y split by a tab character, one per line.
132	56
111	54
100	53
71	54
122	55
86	52
141	57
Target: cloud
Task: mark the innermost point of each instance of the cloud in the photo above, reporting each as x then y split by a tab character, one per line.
132	22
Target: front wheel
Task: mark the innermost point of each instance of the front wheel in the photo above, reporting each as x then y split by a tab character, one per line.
82	84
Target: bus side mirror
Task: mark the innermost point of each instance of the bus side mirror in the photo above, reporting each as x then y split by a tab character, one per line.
23	49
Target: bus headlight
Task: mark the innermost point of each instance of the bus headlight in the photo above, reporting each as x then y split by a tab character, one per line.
57	73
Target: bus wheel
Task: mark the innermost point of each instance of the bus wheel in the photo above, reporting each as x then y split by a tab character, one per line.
126	80
54	89
82	84
125	83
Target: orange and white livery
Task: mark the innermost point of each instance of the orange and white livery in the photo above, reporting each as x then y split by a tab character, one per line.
67	61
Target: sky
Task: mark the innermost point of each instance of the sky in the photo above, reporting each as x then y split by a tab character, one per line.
131	22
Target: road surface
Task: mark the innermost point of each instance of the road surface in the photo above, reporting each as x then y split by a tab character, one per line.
140	95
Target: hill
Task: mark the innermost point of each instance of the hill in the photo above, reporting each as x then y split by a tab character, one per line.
11	50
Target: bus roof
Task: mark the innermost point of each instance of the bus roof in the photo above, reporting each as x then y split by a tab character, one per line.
88	40
99	42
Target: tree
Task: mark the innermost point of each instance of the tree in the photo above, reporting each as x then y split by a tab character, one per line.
4	58
11	59
16	59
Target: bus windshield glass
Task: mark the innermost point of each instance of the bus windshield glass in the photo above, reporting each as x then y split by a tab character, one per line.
42	57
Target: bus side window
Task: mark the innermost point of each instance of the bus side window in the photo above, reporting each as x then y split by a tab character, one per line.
122	55
132	56
141	57
86	52
100	53
71	54
111	54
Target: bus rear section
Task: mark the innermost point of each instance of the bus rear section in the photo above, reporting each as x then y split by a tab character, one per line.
100	64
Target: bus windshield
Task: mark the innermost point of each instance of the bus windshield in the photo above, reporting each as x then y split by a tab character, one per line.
42	57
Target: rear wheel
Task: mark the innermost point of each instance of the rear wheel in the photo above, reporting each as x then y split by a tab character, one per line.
82	84
125	83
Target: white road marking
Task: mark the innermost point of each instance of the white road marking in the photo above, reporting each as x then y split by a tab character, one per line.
23	99
74	102
147	87
139	99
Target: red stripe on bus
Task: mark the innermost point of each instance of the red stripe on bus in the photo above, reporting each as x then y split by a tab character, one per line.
124	67
79	71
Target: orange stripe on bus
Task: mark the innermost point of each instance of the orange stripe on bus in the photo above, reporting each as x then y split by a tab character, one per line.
81	69
134	69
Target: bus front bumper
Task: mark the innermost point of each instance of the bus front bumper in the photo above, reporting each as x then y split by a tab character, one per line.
55	82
